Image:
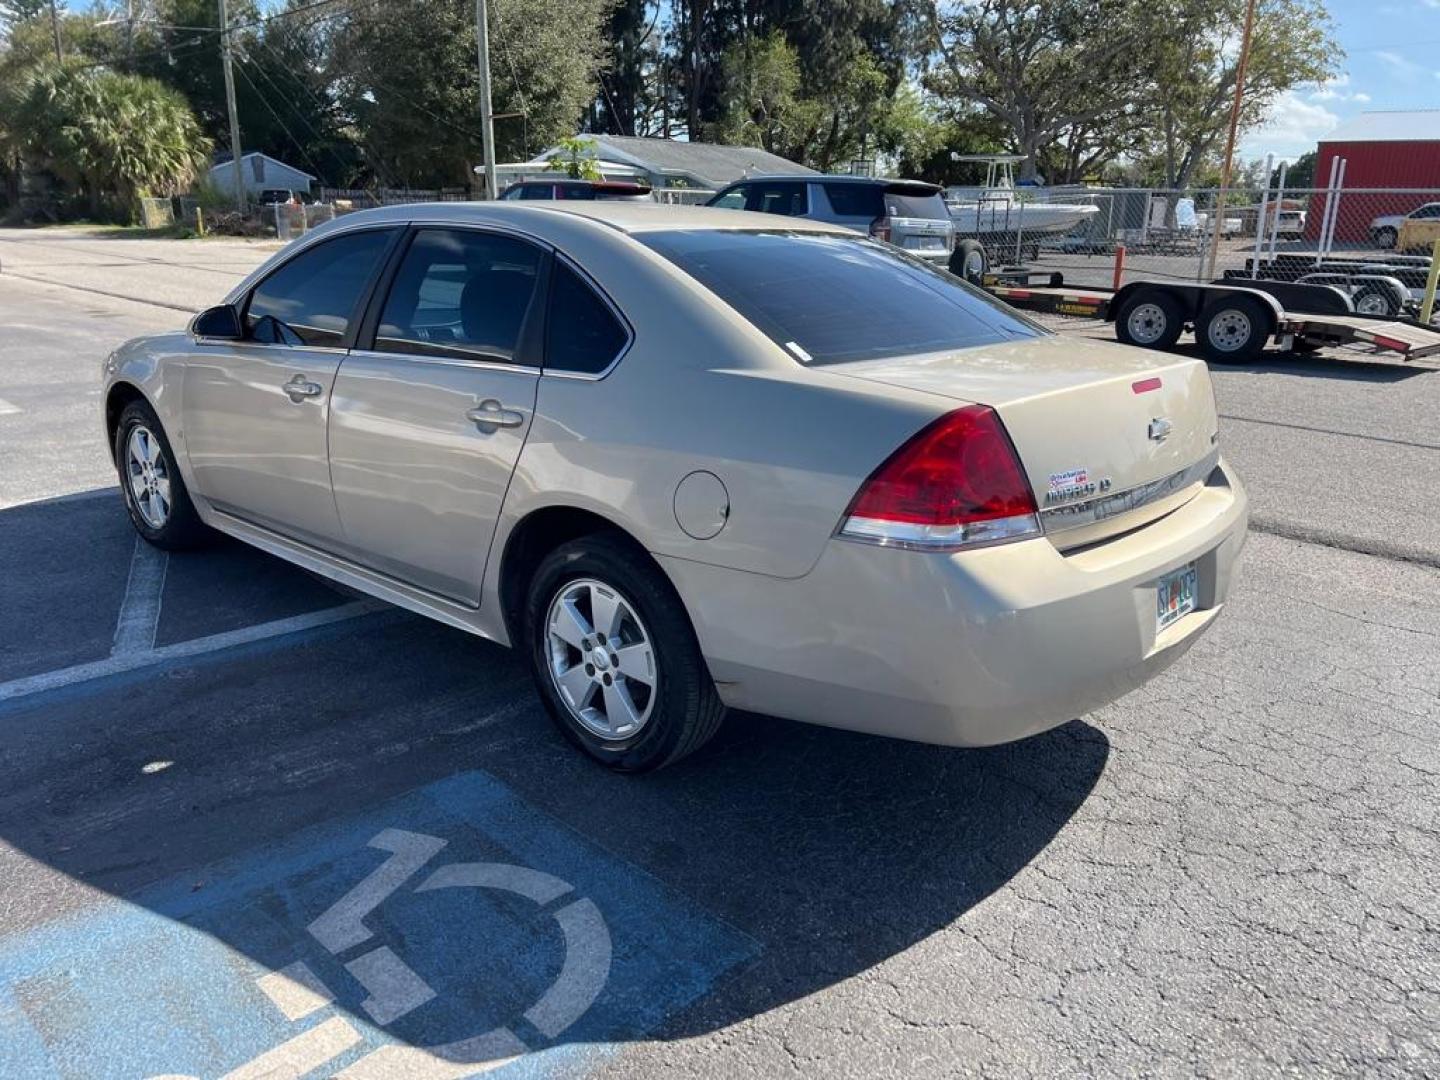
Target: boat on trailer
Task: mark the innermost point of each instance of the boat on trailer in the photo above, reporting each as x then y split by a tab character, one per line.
997	207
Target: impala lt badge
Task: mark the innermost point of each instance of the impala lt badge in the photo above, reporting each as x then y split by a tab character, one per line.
1159	429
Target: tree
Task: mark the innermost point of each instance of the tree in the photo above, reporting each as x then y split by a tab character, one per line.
576	159
1054	72
1191	63
626	90
107	136
1299	174
405	77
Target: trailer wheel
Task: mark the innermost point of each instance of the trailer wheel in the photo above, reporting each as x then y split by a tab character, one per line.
1373	300
1232	330
1151	319
969	261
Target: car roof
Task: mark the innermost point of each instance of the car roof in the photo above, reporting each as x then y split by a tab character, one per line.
834	178
627	217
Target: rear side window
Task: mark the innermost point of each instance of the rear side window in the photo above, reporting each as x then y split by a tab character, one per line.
537	191
574	191
782	197
915	202
856	200
460	293
829	299
582	334
313	296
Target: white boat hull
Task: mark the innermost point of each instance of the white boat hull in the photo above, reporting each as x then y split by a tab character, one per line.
1028	219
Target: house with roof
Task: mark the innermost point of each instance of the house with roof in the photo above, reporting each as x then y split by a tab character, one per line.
260	172
1382	149
661	163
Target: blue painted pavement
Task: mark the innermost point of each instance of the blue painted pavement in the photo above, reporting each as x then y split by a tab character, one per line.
167	982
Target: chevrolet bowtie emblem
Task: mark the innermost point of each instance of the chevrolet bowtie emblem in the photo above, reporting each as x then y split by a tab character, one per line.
1159	429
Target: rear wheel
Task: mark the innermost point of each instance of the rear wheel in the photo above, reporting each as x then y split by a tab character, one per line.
1385	237
614	656
1150	319
1372	300
1232	330
969	261
154	491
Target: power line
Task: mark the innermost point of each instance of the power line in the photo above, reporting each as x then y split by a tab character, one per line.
271	109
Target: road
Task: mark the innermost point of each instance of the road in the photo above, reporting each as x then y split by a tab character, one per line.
1235	870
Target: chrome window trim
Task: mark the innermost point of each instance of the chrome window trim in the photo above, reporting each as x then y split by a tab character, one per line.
444	361
1064	517
585	376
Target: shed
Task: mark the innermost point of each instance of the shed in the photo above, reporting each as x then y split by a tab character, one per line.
261	172
1382	149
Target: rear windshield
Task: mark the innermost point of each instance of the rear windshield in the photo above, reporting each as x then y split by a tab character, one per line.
829	299
915	202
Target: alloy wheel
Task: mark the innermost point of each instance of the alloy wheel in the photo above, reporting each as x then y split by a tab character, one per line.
149	476
601	659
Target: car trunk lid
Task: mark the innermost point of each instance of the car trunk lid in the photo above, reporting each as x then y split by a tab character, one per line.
1110	437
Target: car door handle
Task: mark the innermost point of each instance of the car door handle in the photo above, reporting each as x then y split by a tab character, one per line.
490	413
299	388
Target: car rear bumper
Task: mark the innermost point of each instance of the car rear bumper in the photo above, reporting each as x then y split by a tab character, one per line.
969	649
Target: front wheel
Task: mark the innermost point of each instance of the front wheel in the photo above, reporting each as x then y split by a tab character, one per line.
1385	237
154	491
615	658
1150	319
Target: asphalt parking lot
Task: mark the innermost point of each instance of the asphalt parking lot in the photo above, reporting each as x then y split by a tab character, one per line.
250	825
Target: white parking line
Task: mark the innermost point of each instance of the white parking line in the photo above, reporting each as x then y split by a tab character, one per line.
140	610
6	408
296	990
115	665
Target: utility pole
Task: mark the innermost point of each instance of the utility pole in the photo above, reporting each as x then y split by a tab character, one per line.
487	115
55	29
1217	223
230	107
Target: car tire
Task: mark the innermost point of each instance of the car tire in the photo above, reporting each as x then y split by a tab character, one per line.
155	494
1151	319
969	261
1385	237
1372	300
583	680
1232	330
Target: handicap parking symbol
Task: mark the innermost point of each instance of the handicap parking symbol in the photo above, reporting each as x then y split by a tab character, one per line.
453	932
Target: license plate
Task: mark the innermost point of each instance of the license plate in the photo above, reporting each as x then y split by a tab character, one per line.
1174	596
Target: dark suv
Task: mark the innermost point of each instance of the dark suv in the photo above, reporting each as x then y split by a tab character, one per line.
908	213
564	188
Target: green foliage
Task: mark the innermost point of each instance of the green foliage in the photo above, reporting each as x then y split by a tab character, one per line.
576	159
111	137
1300	173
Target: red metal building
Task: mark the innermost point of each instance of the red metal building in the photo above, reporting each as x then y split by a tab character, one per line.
1391	149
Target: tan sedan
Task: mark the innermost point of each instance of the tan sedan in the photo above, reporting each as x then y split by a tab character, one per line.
691	458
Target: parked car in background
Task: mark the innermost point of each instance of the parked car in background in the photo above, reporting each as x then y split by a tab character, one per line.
685	459
587	190
1385	230
1290	224
282	196
907	213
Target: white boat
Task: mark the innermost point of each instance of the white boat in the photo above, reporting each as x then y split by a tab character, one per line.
997	208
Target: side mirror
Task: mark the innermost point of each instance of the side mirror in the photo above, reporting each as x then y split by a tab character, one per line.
221	322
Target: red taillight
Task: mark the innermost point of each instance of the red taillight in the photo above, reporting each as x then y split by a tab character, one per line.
955	483
880	229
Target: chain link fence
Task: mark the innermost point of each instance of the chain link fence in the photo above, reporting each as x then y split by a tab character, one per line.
1374	245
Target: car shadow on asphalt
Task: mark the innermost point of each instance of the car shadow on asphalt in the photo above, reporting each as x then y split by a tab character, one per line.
811	854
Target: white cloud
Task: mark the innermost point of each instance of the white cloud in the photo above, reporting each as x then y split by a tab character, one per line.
1293	128
1363	98
1404	69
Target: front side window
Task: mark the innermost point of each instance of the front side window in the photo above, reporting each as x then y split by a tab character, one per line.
460	293
582	334
828	299
311	298
786	198
734	199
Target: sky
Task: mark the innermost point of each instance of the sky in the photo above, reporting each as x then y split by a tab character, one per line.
1392	61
